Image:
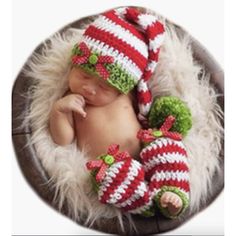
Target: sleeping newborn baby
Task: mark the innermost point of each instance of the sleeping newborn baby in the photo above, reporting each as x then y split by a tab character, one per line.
115	55
117	52
96	114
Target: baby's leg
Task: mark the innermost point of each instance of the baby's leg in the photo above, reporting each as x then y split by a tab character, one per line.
123	185
166	167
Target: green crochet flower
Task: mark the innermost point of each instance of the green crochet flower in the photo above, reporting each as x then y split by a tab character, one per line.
165	106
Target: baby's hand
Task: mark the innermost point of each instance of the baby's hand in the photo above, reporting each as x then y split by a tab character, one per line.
72	102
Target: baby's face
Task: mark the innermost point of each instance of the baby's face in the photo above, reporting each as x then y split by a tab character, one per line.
96	91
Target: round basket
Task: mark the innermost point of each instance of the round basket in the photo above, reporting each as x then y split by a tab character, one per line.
36	175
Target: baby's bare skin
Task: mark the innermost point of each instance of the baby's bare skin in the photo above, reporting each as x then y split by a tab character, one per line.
105	125
96	115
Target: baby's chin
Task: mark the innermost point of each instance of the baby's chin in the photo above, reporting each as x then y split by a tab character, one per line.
95	103
98	103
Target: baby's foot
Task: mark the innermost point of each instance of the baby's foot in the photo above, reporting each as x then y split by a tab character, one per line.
171	201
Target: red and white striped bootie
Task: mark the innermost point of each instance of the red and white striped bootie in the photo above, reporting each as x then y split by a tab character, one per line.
121	182
165	163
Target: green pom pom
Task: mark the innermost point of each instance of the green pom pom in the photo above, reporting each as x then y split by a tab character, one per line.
165	106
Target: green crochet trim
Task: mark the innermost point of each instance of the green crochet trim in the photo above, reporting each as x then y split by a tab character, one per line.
149	212
165	106
176	190
118	78
93	180
75	50
109	160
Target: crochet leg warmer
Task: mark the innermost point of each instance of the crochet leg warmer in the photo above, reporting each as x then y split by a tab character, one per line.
122	183
166	167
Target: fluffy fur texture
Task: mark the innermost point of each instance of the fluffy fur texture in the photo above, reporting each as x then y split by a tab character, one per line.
177	74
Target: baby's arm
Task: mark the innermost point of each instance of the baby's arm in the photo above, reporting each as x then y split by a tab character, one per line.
61	125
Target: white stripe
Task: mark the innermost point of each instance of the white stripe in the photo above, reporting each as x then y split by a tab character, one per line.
165	158
142	86
107	25
139	192
121	11
171	175
133	172
152	66
160	142
144	108
129	66
108	180
146	20
156	42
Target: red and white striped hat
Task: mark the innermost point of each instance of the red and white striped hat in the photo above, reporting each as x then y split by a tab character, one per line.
122	46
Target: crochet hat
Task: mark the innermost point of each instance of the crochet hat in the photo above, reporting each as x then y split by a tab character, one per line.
122	47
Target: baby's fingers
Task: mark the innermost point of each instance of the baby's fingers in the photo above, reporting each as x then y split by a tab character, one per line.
80	100
80	110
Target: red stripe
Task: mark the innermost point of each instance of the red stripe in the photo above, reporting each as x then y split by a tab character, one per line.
119	21
123	47
132	14
176	166
155	29
154	56
132	186
120	177
183	184
138	203
169	148
144	97
147	75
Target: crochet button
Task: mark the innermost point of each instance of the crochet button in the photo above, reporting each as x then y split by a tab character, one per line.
109	159
93	59
157	133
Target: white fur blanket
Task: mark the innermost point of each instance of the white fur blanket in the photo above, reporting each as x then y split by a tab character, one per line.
177	74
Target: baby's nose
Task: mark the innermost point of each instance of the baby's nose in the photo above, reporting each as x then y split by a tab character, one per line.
90	90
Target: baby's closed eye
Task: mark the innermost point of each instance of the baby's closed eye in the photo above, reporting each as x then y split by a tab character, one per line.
105	87
86	77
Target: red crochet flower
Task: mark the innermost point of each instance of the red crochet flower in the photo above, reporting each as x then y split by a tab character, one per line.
91	58
113	155
150	135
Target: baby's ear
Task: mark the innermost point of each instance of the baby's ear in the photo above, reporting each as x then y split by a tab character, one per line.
170	106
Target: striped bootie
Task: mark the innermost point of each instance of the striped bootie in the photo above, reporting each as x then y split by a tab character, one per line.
164	159
120	181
